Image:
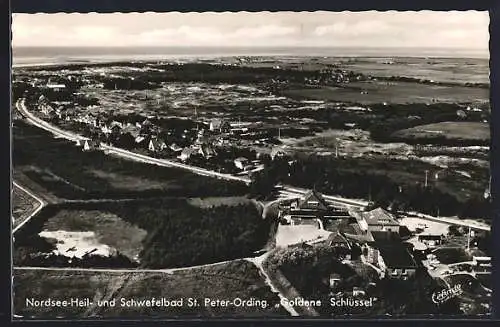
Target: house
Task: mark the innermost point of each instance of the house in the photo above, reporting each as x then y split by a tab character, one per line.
482	262
377	220
338	240
241	162
390	255
278	152
341	245
219	125
174	147
156	145
431	240
187	153
207	151
56	87
89	145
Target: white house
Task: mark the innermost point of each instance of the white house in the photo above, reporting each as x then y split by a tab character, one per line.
241	162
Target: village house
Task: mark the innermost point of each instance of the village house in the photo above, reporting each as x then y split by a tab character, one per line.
390	255
241	162
340	244
376	220
187	153
56	87
156	145
174	147
278	152
220	126
89	145
207	151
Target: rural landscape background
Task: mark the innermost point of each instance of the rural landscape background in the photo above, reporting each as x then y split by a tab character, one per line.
349	161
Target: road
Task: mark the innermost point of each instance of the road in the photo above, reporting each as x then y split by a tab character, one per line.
127	270
258	263
20	105
34	213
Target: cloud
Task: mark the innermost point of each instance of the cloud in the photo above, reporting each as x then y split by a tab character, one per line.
373	29
344	29
185	35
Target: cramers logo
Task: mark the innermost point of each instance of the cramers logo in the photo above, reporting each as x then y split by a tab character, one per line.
447	294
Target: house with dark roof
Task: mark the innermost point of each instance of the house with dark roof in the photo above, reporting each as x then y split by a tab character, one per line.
390	255
156	145
207	151
341	245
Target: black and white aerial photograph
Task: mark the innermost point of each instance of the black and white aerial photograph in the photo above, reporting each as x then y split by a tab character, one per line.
251	165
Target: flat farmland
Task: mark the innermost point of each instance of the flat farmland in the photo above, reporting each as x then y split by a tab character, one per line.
77	174
449	130
457	70
238	279
392	92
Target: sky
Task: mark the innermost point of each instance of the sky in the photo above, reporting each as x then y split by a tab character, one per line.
425	29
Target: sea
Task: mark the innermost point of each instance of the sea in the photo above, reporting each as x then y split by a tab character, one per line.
53	55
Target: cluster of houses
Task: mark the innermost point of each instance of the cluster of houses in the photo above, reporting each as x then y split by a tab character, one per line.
375	232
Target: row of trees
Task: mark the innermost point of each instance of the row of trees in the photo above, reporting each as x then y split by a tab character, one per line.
341	177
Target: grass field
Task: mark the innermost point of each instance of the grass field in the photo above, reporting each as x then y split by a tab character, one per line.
449	130
107	228
392	92
239	279
77	174
448	255
22	205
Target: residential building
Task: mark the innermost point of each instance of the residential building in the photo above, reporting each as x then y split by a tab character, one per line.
241	162
187	153
207	151
278	152
89	145
219	125
156	145
390	255
376	220
56	87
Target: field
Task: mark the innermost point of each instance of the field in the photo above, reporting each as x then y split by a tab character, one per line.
438	69
22	205
392	92
239	279
37	155
449	130
72	227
